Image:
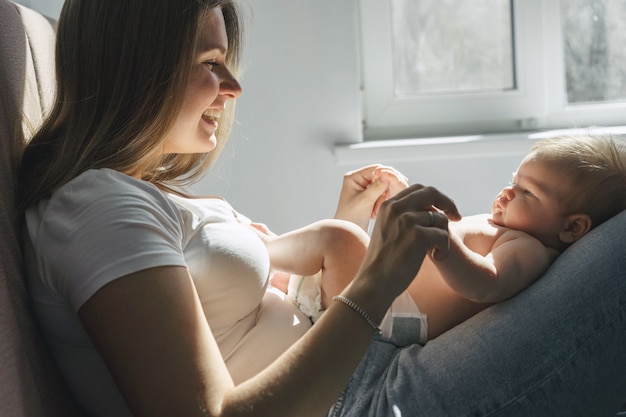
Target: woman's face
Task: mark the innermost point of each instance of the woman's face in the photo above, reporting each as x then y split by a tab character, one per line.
210	86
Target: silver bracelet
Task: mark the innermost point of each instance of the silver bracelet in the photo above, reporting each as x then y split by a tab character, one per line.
354	306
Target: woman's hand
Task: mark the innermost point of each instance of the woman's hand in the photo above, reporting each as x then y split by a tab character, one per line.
364	190
408	226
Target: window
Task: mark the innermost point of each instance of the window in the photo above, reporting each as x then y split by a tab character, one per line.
595	58
454	67
433	47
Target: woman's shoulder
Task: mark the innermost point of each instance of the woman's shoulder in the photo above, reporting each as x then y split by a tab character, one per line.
100	226
107	187
105	195
106	181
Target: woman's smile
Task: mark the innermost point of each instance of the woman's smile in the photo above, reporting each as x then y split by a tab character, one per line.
211	118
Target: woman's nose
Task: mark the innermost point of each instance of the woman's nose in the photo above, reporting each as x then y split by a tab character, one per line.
229	85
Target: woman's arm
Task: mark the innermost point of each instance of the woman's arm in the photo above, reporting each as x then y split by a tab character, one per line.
150	329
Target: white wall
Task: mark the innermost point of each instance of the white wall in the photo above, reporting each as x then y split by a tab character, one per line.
300	99
50	8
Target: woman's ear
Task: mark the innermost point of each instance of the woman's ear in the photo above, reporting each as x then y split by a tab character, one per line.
576	226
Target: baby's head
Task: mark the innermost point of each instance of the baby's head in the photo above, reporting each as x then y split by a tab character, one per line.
595	166
564	187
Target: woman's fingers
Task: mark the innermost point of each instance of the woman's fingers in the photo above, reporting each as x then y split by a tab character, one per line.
418	197
406	229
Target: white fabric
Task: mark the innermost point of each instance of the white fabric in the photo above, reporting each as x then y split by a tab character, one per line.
306	294
403	323
104	225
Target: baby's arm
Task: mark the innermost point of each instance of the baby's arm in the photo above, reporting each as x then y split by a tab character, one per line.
514	262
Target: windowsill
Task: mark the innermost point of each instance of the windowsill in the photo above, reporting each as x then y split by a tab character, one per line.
455	147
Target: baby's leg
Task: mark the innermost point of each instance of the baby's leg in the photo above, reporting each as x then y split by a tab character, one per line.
326	244
345	245
326	256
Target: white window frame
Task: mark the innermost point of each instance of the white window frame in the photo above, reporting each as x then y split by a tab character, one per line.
538	102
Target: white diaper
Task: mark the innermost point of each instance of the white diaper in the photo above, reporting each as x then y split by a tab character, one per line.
306	294
402	325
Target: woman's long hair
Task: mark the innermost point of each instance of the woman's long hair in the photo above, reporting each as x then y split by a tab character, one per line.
122	67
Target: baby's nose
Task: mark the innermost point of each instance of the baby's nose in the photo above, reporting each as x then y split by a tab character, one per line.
507	193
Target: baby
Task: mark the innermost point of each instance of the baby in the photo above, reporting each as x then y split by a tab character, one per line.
561	190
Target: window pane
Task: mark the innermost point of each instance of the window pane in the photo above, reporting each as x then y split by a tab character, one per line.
595	52
452	46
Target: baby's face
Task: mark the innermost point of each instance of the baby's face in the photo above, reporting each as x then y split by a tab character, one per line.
532	202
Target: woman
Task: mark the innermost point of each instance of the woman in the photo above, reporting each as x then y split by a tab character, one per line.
120	265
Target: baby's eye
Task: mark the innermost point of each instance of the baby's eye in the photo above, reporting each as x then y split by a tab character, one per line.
528	193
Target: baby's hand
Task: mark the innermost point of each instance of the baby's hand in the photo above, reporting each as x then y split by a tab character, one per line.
394	181
262	228
364	190
262	231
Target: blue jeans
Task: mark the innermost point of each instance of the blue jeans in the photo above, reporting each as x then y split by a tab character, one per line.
556	349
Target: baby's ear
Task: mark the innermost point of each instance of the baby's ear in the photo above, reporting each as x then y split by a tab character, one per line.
576	226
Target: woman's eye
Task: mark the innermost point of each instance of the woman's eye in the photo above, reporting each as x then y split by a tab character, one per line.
211	65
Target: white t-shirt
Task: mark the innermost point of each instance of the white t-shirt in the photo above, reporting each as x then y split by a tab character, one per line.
104	225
